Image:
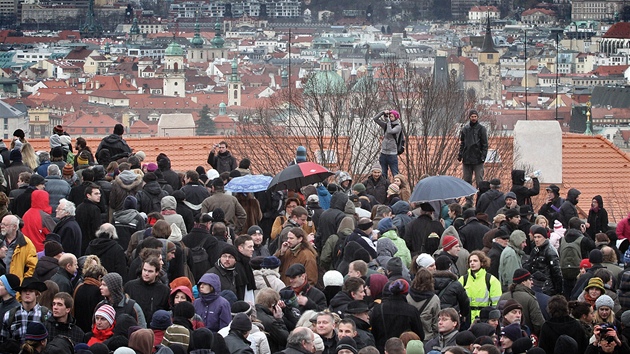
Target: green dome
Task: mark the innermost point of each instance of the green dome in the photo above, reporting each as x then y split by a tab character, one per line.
197	41
174	49
325	83
217	41
365	84
135	29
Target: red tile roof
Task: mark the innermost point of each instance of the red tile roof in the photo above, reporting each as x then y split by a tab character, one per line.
607	70
618	30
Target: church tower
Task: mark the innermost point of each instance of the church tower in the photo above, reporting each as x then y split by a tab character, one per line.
234	86
489	69
174	79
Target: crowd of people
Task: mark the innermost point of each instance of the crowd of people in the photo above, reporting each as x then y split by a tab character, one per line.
108	252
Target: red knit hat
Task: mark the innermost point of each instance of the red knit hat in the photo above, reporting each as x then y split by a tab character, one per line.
586	264
449	242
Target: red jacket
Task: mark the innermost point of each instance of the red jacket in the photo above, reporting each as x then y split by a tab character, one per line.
623	228
37	220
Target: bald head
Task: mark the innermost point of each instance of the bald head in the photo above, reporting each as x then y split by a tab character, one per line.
67	259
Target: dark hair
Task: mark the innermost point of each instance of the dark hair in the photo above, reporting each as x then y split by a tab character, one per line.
223	143
489	348
579	309
455	350
352	284
154	262
240	240
244	163
90	189
451	313
68	301
81	143
604	274
350	322
298	232
394	346
455	208
423	281
192	175
292	199
299	211
575	223
558	306
87	174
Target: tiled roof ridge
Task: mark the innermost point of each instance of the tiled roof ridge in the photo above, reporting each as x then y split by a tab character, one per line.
601	139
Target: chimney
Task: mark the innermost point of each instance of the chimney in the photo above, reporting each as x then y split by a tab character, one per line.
98	85
120	78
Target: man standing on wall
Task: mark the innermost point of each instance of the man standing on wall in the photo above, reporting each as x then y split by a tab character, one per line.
473	148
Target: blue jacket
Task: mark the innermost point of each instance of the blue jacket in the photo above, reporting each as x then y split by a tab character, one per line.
213	309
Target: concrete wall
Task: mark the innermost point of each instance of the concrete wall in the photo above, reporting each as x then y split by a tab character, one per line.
538	146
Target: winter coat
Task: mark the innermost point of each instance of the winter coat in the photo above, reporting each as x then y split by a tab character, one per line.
42	169
149	197
227	277
478	293
110	253
511	258
12	173
24	257
62	279
127	222
88	216
200	236
495	258
544	260
377	188
401	246
392	317
532	315
57	188
46	267
235	215
213	309
556	236
116	145
417	232
330	219
37	220
237	344
598	220
275	329
451	292
472	233
222	161
150	297
557	326
389	146
473	146
400	217
125	184
304	256
88	294
324	197
339	303
523	194
316	299
441	342
70	233
68	329
272	276
587	244
490	202
550	210
195	194
169	176
429	304
363	239
168	206
568	208
623	229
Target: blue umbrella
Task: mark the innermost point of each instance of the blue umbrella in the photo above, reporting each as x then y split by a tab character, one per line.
437	188
248	184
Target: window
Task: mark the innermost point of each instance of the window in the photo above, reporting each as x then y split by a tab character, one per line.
493	156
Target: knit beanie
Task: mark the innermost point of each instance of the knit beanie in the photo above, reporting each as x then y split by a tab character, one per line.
424	260
539	230
604	300
241	322
385	224
359	187
399	286
15	154
443	262
585	263
130	203
107	312
184	309
36	180
511	305
68	170
52	248
395	265
393	189
35	331
241	307
448	242
202	338
333	278
557	225
596	256
347	343
362	254
513	331
595	282
520	275
521	345
114	284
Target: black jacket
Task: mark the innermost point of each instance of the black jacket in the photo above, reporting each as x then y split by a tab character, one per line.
275	329
451	292
46	267
116	145
495	258
598	220
127	222
110	253
199	236
490	202
88	216
472	233
330	219
366	338
62	278
149	197
377	188
544	261
339	303
316	298
222	161
523	194
150	297
70	232
392	317
68	329
557	326
473	146
417	231
568	208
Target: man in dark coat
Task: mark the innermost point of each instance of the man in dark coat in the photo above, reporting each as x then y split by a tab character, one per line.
89	216
376	184
523	194
418	230
61	322
150	196
68	265
12	173
68	228
108	250
568	209
358	312
147	290
223	161
473	148
492	200
552	204
472	232
195	192
500	241
308	297
170	176
23	201
115	144
330	219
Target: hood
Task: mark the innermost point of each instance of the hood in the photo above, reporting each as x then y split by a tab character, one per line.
572	235
127	177
391	234
168	203
516	239
213	280
350	208
452	232
100	246
338	201
322	191
566	344
40	200
54	141
400	207
127	216
99	172
600	201
340	299
518	177
348	252
420	296
572	195
113	139
153	188
123	322
45	265
385	247
343	176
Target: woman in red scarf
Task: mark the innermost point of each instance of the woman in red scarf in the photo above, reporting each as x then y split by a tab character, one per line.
103	328
593	290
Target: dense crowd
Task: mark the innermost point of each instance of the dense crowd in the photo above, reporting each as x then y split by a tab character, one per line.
107	252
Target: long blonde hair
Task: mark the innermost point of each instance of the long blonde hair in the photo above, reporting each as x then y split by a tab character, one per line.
29	157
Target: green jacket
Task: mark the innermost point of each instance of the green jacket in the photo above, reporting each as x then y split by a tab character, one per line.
403	251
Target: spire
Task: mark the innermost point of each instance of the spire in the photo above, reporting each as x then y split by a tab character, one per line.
589	123
234	76
135	29
197	41
217	41
488	44
91	28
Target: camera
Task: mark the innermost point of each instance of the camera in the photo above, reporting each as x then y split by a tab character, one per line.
609	339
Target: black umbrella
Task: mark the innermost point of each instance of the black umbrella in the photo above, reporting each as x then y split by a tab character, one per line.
298	175
437	188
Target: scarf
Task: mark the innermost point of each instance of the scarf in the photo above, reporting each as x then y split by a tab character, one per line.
168	212
99	336
595	209
589	299
219	264
301	288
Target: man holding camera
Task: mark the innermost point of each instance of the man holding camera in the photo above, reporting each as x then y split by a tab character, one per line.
223	161
390	122
607	341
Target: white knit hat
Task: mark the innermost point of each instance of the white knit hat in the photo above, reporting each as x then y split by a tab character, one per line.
333	278
424	260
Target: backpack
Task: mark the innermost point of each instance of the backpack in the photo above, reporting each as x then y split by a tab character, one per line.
188	273
200	262
570	257
400	143
337	255
488	277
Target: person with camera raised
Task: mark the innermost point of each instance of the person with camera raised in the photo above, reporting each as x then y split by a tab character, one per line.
223	161
607	341
389	120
